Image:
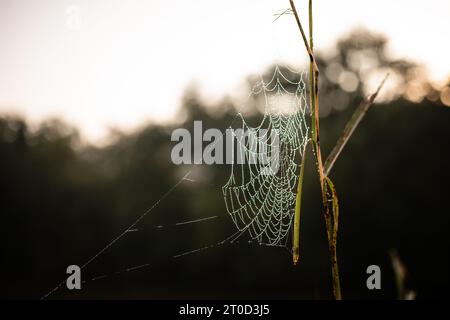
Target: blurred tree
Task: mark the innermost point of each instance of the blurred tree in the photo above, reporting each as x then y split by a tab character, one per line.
61	202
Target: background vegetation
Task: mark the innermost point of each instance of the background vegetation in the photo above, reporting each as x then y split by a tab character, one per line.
61	201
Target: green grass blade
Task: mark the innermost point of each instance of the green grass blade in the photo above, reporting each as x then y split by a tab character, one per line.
298	204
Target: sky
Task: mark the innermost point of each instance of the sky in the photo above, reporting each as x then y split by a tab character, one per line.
100	64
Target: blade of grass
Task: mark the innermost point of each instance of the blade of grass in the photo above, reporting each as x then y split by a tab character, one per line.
350	128
298	202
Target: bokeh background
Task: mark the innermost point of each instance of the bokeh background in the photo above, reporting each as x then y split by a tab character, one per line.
91	91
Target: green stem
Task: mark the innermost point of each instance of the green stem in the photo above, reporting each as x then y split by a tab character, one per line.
314	106
298	203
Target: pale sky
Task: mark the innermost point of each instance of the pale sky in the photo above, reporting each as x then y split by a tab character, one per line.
102	63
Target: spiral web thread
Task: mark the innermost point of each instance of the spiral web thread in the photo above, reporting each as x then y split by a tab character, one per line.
260	197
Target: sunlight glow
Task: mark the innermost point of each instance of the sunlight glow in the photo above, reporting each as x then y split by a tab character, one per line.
117	63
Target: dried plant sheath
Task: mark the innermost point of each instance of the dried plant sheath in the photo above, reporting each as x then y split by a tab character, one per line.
332	222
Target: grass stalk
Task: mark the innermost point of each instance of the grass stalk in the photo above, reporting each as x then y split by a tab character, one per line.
325	182
329	196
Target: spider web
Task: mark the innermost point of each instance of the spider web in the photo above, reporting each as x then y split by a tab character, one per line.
260	194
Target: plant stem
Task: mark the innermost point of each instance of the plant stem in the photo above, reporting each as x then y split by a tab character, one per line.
329	196
307	46
325	183
332	223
